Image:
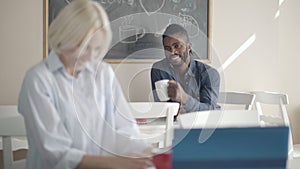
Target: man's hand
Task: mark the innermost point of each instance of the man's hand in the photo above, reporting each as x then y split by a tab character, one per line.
181	110
176	92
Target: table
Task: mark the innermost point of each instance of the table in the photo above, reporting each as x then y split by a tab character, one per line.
293	164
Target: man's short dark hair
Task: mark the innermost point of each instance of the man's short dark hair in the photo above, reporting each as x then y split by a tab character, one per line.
173	29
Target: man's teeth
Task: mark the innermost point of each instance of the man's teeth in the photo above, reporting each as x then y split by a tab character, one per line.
174	57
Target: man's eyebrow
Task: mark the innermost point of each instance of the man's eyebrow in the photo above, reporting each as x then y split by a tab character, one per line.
176	43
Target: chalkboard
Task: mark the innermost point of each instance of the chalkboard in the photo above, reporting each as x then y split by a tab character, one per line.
138	25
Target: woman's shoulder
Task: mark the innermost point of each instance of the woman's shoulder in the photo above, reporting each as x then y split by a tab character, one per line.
38	71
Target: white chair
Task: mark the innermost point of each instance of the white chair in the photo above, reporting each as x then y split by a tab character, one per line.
155	120
280	101
12	131
219	119
237	99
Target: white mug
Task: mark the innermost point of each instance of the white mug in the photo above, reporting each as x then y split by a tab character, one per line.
162	89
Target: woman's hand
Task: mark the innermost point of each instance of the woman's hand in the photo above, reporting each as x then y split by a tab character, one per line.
130	161
133	161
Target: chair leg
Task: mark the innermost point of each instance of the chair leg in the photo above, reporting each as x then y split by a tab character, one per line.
18	155
7	152
1	159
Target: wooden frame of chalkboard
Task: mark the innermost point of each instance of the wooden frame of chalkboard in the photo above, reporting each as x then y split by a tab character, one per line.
147	19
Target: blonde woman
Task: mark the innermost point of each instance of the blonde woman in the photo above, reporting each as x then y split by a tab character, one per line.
75	113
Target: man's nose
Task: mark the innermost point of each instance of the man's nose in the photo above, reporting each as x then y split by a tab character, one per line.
174	51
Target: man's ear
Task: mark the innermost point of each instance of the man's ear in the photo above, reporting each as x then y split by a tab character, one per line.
189	46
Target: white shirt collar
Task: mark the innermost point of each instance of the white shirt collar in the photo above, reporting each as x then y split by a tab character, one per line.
54	63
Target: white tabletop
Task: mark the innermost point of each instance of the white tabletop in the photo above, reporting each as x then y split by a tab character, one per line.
293	164
11	122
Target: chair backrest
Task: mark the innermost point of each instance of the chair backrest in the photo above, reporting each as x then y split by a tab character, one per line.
279	100
219	119
237	98
155	120
11	125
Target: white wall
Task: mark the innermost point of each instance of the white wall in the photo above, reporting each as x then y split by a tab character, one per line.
289	45
268	64
234	22
20	44
135	81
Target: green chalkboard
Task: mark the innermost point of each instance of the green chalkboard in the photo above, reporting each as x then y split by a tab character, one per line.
137	26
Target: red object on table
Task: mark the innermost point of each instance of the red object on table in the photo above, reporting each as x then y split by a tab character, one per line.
163	161
141	121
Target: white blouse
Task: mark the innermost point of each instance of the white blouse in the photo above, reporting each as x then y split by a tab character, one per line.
67	117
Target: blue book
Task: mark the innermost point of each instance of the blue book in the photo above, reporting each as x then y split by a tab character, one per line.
231	148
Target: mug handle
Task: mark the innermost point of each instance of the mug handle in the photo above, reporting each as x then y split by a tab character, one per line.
142	34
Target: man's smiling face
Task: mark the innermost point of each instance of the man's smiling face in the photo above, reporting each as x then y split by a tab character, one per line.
177	49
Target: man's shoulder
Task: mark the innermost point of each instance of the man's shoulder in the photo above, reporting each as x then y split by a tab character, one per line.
37	75
203	66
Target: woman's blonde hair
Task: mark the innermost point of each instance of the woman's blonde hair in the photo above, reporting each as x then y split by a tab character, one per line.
76	23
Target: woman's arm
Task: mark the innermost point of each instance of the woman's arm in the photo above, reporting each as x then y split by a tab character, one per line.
99	162
50	140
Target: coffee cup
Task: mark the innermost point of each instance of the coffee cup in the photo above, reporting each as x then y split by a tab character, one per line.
162	89
130	33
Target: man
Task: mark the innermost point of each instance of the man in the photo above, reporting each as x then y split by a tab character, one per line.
193	84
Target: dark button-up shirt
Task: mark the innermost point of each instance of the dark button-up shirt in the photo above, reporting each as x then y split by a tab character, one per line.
201	83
